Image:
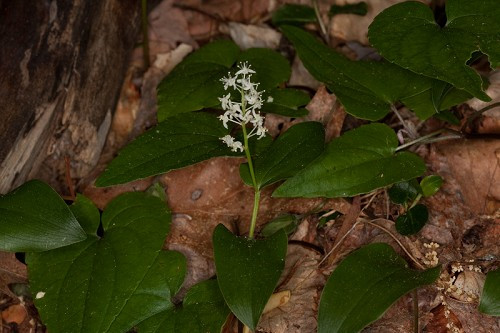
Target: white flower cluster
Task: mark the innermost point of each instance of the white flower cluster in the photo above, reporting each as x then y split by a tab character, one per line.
246	111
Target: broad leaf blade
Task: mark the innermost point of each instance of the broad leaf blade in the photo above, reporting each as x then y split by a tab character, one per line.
366	89
248	271
181	141
203	310
290	153
404	192
413	220
271	68
490	298
33	217
426	48
86	213
93	285
359	161
194	84
363	287
190	88
430	185
286	102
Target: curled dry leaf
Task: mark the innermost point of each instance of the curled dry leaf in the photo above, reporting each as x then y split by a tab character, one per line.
469	285
248	11
471	319
304	281
248	36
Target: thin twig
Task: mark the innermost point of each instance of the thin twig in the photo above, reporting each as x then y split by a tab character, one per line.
431	138
322	26
408	129
338	243
69	182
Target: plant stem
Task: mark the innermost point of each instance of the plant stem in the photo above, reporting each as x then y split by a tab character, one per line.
322	26
256	198
415	311
427	139
145	38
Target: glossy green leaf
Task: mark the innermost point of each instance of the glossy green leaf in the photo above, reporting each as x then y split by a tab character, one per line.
109	284
358	8
203	310
366	89
195	83
286	102
271	68
248	271
359	161
288	154
490	298
181	141
33	217
403	192
413	220
426	48
294	14
364	286
430	185
288	223
86	213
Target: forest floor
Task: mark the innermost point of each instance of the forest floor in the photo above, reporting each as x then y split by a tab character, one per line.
464	215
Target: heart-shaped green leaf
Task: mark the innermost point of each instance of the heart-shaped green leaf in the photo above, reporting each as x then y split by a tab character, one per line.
366	89
359	161
364	286
181	141
288	154
430	185
413	220
408	35
286	102
490	298
294	14
33	217
248	271
403	192
203	310
194	84
109	284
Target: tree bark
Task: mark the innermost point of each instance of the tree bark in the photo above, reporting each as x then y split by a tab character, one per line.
62	63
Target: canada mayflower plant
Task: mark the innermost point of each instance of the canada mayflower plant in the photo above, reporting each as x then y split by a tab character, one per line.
243	112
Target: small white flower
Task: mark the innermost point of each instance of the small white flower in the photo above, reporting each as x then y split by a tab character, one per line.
231	143
244	69
245	111
270	99
39	295
229	81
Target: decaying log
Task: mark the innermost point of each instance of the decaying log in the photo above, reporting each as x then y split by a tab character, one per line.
62	64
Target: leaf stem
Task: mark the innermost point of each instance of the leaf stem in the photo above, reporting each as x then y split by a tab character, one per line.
428	139
256	198
145	38
322	26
